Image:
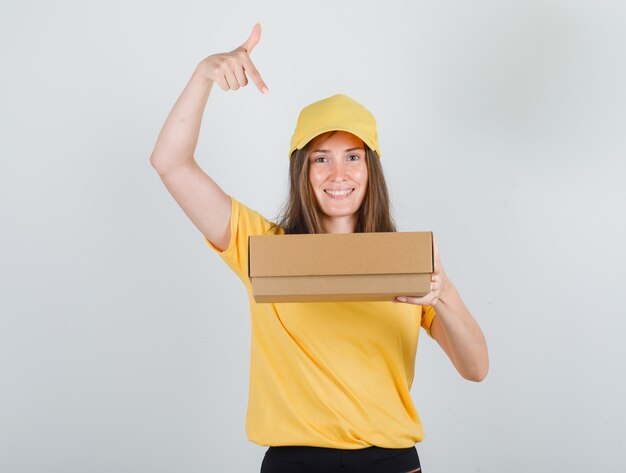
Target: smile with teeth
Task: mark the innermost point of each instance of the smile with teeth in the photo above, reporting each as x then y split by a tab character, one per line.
338	194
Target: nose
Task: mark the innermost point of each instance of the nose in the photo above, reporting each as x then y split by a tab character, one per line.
338	171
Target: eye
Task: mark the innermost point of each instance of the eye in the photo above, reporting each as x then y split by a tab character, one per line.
354	157
320	159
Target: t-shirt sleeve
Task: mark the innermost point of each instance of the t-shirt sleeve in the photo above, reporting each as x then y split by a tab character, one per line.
428	315
243	223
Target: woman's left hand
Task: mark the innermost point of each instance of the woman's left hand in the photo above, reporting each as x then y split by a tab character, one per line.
437	283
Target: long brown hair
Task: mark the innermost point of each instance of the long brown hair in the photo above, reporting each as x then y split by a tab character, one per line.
301	212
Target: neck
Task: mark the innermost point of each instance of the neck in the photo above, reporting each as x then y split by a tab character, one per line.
345	224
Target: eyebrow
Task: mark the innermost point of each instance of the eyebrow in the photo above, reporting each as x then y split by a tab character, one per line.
328	151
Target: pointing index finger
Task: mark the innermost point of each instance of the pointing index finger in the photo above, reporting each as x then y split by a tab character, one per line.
250	68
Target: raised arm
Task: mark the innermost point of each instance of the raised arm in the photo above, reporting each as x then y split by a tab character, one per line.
202	200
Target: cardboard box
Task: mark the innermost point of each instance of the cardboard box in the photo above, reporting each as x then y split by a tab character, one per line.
334	267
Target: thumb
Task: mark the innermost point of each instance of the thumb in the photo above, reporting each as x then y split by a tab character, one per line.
253	39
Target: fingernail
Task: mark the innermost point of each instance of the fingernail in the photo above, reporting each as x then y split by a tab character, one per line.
402	299
265	90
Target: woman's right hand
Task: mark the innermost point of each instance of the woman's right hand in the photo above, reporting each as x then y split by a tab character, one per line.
229	69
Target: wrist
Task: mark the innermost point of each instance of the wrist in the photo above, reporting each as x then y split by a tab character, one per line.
201	73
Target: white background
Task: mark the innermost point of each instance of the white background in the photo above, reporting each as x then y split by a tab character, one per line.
124	340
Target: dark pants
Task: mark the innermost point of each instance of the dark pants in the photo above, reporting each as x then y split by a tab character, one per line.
329	460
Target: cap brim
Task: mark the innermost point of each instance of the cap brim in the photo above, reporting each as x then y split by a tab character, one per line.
303	142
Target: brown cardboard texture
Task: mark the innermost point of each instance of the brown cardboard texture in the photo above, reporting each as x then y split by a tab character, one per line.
332	267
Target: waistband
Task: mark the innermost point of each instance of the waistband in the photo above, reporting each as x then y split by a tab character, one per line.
344	456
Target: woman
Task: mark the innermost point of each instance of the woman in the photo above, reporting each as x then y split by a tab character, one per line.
329	382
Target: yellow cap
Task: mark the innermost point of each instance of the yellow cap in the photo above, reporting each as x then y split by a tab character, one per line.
338	112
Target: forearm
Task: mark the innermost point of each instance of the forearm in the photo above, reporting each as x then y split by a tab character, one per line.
460	335
176	143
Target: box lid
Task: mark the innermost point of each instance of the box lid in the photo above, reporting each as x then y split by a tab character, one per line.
340	254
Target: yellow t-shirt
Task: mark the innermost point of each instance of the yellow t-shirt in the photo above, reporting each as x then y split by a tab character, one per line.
327	374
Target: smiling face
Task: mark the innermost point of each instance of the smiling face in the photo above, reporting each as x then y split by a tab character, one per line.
338	176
